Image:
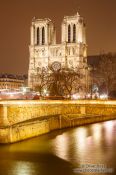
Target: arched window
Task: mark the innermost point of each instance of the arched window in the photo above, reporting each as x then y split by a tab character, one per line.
69	33
38	36
43	36
74	33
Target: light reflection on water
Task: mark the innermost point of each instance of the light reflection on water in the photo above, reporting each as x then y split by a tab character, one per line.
59	152
61	143
23	168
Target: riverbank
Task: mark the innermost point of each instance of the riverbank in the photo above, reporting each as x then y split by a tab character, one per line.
20	120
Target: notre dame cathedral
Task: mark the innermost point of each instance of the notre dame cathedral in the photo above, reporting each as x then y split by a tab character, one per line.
72	52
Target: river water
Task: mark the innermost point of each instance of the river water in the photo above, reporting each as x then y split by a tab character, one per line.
63	152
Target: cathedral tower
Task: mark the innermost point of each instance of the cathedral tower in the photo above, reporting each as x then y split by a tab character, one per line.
42	36
73	36
42	32
44	52
73	29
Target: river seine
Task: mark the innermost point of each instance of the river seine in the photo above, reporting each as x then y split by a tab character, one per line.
86	150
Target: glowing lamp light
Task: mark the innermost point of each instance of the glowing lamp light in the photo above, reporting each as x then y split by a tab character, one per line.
88	95
47	94
103	96
45	91
24	89
76	96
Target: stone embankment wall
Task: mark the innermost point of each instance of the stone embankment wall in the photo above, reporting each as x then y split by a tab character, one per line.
20	120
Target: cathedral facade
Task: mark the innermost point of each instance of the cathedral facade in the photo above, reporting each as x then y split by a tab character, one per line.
44	51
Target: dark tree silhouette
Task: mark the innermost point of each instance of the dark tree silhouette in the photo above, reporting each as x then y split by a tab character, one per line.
107	72
61	82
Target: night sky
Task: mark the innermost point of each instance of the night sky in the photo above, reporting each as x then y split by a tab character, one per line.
16	16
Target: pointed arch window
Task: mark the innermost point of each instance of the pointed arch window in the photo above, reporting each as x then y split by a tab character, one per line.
38	36
69	33
43	36
74	33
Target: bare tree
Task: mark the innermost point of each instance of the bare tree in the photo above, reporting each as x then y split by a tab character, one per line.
64	82
41	79
107	71
71	81
61	82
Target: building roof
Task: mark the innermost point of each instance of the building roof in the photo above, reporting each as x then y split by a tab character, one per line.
13	76
93	60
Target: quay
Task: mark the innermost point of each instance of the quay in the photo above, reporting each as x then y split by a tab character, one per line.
23	119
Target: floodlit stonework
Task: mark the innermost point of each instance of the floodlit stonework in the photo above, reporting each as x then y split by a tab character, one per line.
21	119
71	53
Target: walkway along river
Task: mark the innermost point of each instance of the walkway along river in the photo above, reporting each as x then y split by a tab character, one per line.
23	119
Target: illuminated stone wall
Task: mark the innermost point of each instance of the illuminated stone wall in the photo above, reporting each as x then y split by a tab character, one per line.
22	131
15	113
20	120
